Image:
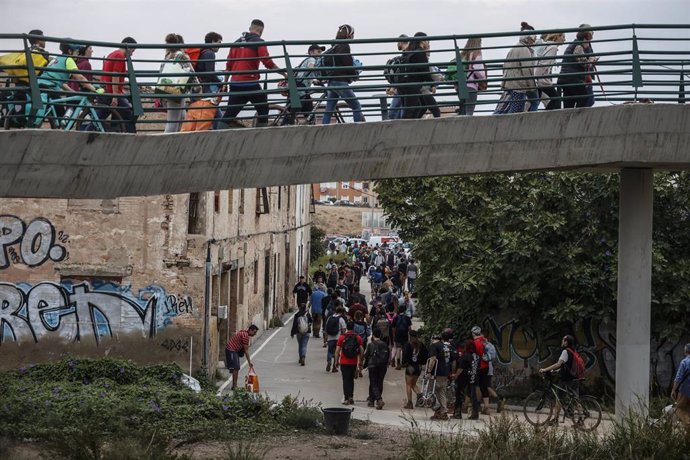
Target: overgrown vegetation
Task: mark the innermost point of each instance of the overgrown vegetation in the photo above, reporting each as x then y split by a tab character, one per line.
507	437
318	249
86	408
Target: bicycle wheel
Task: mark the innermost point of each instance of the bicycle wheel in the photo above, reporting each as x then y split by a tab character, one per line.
538	408
586	413
89	121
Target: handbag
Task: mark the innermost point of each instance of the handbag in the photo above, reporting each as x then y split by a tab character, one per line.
173	78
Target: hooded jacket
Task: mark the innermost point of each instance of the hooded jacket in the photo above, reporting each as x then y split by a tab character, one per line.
246	58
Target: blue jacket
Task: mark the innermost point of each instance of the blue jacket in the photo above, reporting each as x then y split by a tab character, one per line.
316	298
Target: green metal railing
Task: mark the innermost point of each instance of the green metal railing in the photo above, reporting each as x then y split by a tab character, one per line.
636	63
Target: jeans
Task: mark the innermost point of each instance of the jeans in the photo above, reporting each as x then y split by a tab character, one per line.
410	284
331	349
395	109
338	89
533	99
240	95
302	342
376	376
124	108
467	105
348	373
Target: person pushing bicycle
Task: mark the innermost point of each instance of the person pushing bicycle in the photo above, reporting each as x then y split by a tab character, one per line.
568	375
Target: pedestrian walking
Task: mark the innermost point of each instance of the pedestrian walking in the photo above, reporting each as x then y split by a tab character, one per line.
414	355
546	53
302	291
443	360
301	328
349	355
576	68
376	359
681	388
316	301
518	75
335	326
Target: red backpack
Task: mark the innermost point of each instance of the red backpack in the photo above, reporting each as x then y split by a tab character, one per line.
577	367
194	54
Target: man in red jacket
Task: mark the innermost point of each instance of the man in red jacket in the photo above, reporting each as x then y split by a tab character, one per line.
244	86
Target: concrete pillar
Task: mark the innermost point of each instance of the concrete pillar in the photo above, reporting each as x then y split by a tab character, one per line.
633	319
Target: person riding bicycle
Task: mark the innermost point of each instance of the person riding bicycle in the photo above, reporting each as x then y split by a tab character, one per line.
565	365
306	75
62	68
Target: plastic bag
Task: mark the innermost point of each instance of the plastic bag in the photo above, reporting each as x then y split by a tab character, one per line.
251	381
191	382
169	82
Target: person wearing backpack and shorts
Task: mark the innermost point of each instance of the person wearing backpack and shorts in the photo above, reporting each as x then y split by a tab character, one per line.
335	326
414	354
349	354
571	368
376	359
301	327
400	326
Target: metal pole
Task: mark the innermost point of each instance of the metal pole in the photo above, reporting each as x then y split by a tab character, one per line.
207	309
633	318
191	345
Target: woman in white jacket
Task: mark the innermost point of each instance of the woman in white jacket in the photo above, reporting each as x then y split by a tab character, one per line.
546	53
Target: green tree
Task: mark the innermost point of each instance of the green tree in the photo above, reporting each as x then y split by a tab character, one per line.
541	245
317	247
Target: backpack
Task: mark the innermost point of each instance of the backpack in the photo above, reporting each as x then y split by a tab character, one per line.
302	324
395	70
19	59
381	355
350	346
327	59
333	325
361	330
489	352
577	365
403	324
194	55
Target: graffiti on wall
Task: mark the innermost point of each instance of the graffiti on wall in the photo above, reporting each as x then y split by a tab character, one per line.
84	312
33	244
520	348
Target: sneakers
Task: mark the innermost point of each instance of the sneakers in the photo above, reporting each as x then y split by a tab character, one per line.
328	367
335	368
370	403
380	404
346	402
301	361
351	402
408	405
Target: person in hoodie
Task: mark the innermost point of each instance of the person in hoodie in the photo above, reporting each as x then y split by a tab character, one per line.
339	79
518	75
546	52
244	86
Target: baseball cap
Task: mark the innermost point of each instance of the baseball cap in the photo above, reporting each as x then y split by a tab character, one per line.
403	36
476	330
316	47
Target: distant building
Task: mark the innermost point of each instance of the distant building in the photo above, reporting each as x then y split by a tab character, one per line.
355	192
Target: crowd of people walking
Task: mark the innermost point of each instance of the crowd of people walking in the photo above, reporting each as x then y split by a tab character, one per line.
191	90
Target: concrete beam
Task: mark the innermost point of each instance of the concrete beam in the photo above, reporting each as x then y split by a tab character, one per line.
56	164
634	318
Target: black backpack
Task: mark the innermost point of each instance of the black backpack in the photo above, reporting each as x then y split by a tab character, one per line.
333	325
381	355
350	346
327	59
395	68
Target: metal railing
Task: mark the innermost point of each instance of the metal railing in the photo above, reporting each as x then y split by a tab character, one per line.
635	63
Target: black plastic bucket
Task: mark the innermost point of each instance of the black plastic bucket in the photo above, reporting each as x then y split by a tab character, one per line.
337	419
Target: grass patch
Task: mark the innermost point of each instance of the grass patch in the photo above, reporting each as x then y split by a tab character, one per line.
110	408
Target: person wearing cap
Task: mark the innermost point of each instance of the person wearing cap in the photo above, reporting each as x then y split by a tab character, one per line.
576	67
395	108
61	68
518	74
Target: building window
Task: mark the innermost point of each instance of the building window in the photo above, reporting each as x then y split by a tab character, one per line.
288	192
231	194
242	201
262	205
345	185
280	196
216	202
195	221
256	276
357	186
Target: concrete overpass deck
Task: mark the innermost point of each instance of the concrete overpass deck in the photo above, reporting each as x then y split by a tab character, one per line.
58	164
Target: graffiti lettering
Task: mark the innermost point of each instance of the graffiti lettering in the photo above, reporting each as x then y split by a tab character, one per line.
37	242
79	312
176	345
178	306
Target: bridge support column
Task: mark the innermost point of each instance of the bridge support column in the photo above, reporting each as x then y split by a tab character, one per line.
633	319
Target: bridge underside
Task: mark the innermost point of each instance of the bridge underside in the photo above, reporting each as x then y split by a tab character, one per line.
57	164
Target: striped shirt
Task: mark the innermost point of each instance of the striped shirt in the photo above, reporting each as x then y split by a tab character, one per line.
238	341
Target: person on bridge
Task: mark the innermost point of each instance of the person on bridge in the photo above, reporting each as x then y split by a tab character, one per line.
301	328
339	79
395	107
238	346
175	107
417	74
577	63
681	388
115	68
349	353
244	86
203	110
518	75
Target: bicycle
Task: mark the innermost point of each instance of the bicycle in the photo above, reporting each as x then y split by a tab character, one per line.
81	114
286	116
538	408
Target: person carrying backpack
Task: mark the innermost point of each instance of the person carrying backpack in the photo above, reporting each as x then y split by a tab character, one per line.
400	326
414	356
301	327
416	71
349	354
361	327
376	359
203	109
571	367
334	327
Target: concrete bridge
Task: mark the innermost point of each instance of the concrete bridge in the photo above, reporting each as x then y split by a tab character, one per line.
632	139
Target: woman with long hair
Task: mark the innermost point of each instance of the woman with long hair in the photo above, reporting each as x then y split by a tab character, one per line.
416	75
546	53
576	67
471	55
175	107
414	357
340	77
